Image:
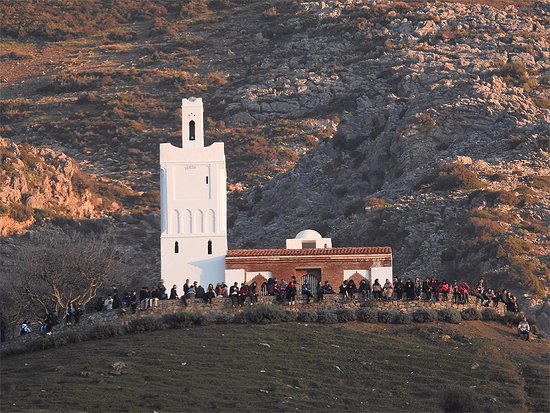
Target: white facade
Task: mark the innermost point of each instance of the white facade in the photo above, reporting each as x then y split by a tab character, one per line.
193	205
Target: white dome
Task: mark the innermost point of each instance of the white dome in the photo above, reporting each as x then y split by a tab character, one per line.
308	234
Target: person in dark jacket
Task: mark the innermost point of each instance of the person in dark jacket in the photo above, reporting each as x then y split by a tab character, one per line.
133	301
409	289
364	289
162	290
427	289
209	294
399	288
243	293
253	293
306	291
320	292
234	295
174	292
199	292
291	291
351	289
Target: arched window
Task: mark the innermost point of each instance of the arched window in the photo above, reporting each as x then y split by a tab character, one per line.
207	179
192	130
176	248
209	247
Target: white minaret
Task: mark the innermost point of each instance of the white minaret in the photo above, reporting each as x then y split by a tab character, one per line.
193	204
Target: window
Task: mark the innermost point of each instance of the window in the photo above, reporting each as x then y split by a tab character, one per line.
192	130
209	247
176	248
308	244
207	180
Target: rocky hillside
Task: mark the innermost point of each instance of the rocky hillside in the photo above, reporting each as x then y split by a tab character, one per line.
419	125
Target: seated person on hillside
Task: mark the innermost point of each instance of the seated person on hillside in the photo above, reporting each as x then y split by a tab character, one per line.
199	292
191	293
243	293
344	291
162	290
209	294
306	290
174	292
25	328
524	329
234	295
364	289
327	288
320	292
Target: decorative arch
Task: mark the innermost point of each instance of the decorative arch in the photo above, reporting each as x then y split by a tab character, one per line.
176	247
209	247
199	221
188	222
175	225
211	221
192	130
357	278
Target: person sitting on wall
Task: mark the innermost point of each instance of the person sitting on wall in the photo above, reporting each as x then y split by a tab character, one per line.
444	290
243	293
409	289
174	292
479	290
282	291
191	293
320	292
351	289
270	286
234	295
343	290
455	290
133	301
524	329
427	289
162	290
327	288
276	288
399	288
388	290
463	289
306	290
253	293
108	303
221	289
364	289
417	288
209	294
199	291
377	290
291	291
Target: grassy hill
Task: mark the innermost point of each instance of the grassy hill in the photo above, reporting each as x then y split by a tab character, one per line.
287	367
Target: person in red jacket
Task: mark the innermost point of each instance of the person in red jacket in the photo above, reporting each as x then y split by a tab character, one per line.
243	293
463	288
444	290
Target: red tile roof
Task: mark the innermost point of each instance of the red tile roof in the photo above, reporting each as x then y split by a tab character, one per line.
308	251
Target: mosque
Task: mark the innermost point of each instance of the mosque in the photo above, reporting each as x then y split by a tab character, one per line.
194	226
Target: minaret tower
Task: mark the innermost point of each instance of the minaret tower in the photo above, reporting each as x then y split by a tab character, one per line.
193	204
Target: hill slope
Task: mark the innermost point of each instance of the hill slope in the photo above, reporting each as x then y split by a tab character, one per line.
356	367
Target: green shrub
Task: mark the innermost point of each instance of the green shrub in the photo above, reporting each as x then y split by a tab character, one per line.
386	316
489	314
149	323
240	318
424	315
449	315
288	316
176	320
402	318
367	315
471	313
327	317
263	314
345	314
102	331
222	317
458	399
457	176
307	316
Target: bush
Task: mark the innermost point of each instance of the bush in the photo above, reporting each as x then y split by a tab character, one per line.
345	314
263	314
222	317
424	315
470	314
327	317
512	319
449	315
457	176
288	315
402	318
489	314
149	323
177	320
386	316
458	400
367	315
20	212
307	316
102	331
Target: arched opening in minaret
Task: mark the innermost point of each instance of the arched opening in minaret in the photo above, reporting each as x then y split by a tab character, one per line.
192	130
176	248
209	247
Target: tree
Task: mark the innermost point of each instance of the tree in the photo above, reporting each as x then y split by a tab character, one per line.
60	267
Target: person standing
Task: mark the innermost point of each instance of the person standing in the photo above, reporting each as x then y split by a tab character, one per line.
320	292
399	288
133	301
291	292
409	289
108	303
253	293
162	290
388	290
377	289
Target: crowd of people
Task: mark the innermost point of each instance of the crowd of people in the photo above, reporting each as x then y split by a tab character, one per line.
429	290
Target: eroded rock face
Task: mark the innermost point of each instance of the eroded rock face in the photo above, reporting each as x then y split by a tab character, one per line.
43	181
